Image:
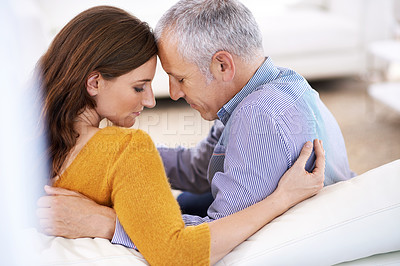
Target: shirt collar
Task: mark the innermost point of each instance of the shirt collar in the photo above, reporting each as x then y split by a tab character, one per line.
264	74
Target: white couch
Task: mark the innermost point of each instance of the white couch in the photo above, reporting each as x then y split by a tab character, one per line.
323	38
318	38
347	223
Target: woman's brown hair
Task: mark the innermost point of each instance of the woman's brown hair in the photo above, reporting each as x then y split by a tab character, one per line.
104	39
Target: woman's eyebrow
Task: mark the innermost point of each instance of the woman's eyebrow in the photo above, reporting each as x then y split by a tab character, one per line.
144	80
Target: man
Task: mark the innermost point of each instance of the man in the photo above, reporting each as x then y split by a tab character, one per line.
212	52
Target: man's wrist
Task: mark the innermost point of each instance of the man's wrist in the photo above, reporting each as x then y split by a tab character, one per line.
104	223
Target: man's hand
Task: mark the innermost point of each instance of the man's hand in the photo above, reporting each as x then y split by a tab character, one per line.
297	184
72	215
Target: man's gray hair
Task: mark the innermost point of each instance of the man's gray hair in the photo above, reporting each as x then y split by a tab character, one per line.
204	27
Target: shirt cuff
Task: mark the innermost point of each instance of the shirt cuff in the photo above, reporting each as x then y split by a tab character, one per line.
120	237
193	220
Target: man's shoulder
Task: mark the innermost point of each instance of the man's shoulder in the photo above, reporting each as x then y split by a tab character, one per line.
274	98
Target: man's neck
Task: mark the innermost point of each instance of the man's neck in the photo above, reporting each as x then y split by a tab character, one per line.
247	72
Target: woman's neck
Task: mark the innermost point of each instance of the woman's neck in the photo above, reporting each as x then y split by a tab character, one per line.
86	122
86	125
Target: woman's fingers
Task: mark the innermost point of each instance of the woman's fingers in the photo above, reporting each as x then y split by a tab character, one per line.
320	156
304	155
318	173
297	184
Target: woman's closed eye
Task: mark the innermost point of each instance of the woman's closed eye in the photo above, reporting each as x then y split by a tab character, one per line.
139	89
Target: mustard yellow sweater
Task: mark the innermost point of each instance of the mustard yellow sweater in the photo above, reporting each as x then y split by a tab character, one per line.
121	168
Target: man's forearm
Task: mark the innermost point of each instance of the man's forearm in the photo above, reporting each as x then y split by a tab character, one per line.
70	214
187	168
183	171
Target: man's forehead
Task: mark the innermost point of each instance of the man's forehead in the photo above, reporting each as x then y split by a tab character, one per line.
168	37
168	54
167	44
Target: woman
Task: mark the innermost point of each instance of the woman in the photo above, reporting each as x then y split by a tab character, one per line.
99	66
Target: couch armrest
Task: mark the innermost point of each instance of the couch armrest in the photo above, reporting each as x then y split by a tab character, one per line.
345	221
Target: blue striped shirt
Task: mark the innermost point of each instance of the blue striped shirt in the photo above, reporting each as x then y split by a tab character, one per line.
265	126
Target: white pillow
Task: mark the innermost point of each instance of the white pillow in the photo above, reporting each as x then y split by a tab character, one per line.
346	221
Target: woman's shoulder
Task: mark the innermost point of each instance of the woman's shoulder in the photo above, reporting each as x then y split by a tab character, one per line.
123	144
122	138
119	133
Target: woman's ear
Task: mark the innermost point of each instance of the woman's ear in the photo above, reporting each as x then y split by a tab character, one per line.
92	84
223	66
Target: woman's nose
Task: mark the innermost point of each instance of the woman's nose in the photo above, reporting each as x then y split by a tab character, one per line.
148	99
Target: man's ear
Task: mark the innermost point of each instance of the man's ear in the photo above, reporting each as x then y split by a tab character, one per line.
223	66
92	83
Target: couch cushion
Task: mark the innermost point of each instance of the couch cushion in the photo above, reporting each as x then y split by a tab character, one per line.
346	221
82	251
303	31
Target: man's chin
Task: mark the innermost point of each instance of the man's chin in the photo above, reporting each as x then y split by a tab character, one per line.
208	116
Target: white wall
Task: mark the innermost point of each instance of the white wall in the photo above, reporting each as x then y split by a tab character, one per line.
22	169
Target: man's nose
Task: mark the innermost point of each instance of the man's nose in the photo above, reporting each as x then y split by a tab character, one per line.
174	91
148	99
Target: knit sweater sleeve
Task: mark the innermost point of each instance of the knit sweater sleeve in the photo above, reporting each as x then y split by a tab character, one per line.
150	215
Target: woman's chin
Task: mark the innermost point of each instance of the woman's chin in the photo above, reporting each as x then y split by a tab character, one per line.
127	123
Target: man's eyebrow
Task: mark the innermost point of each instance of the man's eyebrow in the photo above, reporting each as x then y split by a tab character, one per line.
172	74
